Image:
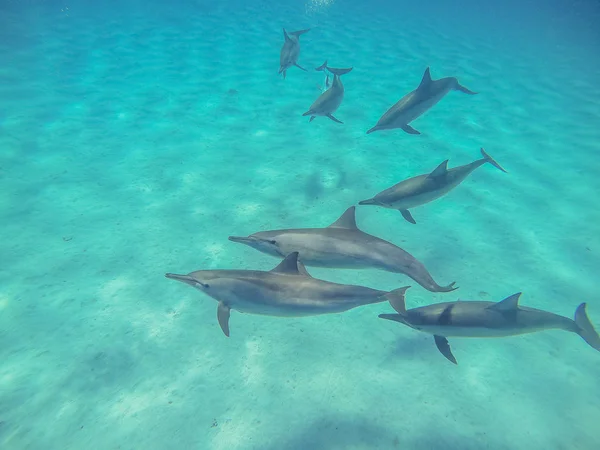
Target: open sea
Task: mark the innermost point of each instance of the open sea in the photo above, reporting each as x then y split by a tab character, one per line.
137	136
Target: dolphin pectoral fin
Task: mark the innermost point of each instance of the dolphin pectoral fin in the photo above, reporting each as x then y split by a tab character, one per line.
223	312
334	119
371	130
396	299
586	329
311	118
410	130
444	347
300	67
407	215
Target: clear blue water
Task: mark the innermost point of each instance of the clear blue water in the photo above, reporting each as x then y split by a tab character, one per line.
135	137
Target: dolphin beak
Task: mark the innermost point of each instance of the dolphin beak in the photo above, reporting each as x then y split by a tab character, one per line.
371	201
183	278
240	239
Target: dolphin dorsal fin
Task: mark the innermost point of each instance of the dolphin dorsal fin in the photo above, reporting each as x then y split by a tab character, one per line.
426	80
289	265
346	220
302	270
440	170
286	36
509	304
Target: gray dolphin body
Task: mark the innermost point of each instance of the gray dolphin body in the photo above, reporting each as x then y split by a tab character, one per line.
329	101
487	319
425	188
290	51
286	291
417	102
342	245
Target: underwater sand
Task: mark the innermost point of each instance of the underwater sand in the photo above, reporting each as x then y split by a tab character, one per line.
135	139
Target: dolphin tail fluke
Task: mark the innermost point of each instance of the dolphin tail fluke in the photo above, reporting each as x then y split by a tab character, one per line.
461	88
370	201
491	160
308	113
396	299
322	67
586	329
451	287
299	32
339	72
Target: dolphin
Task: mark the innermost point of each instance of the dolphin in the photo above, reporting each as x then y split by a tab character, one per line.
417	102
285	291
425	188
342	245
290	50
330	100
487	319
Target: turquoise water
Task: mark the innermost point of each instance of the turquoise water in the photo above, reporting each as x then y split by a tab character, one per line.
135	137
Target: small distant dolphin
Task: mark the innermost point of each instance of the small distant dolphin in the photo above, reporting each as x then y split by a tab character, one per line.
286	291
342	245
425	188
290	51
330	100
417	102
487	319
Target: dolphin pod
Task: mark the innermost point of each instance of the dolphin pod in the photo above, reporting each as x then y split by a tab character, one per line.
288	290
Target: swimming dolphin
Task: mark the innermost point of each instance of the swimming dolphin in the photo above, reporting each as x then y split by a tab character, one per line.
342	245
487	319
330	100
285	291
290	50
417	102
425	188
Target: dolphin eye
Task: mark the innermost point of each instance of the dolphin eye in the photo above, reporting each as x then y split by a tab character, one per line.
204	285
273	242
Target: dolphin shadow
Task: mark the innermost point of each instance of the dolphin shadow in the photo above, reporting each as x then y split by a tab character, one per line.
334	433
331	433
413	347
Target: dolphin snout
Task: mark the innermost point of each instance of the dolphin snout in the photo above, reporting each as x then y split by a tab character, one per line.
240	239
187	279
370	201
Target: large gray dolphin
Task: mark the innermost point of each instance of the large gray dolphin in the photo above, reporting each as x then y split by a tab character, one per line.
290	50
285	291
417	102
329	101
342	245
425	188
487	319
